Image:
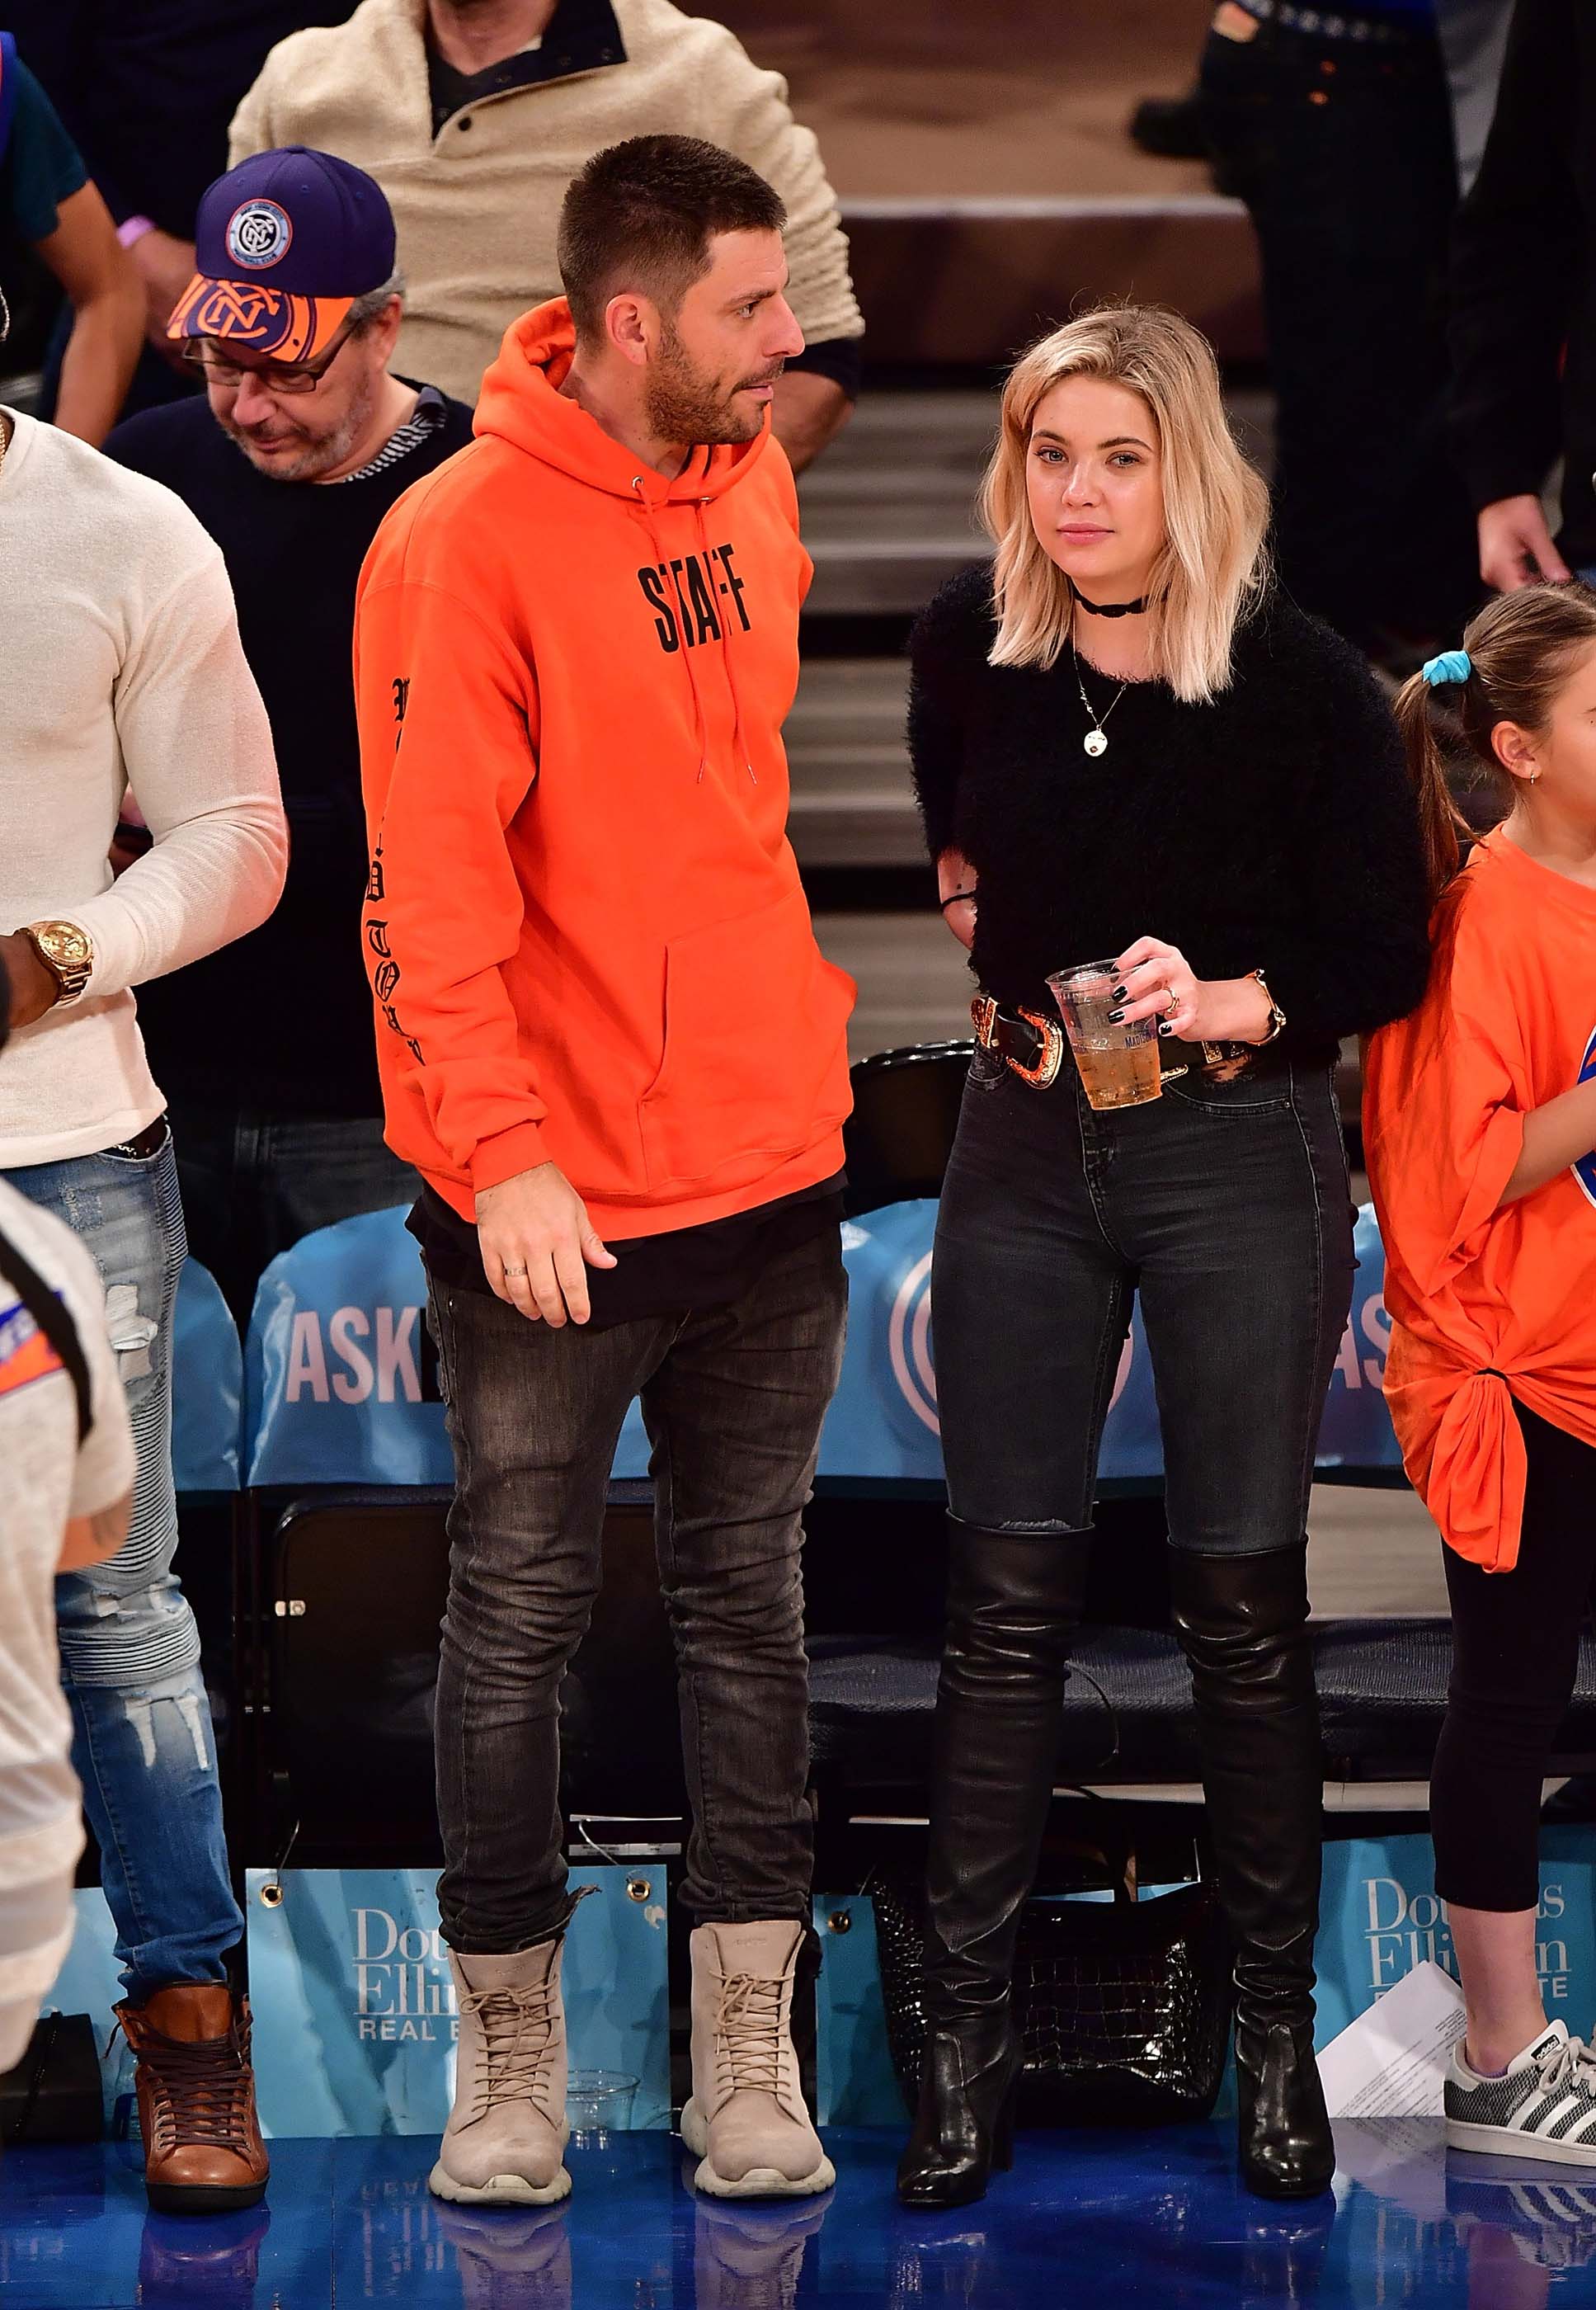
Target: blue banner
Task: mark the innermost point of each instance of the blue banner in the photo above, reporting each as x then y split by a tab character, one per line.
207	1387
342	1386
334	1361
855	2080
350	1980
1380	1916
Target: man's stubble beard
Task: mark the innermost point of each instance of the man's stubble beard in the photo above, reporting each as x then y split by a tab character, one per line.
683	405
317	455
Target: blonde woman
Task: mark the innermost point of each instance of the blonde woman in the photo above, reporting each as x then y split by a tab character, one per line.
1126	744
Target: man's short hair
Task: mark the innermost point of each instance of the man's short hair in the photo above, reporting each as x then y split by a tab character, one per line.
366	309
641	216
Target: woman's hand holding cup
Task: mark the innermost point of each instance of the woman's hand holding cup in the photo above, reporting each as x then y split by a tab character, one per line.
1156	982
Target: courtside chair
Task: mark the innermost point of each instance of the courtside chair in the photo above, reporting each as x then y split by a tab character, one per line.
900	1134
350	1467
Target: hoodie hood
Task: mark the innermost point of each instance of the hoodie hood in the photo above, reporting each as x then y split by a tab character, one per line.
586	933
522	404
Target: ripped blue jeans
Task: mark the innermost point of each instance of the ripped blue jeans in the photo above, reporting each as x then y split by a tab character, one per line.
144	1749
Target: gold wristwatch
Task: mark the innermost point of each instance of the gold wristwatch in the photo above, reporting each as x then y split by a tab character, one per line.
66	952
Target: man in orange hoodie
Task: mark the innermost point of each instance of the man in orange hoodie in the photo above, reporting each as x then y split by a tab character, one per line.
611	1048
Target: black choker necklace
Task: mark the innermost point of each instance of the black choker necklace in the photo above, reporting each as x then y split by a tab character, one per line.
1109	609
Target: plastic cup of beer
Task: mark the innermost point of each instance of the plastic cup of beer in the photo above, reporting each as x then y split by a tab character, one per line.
1118	1060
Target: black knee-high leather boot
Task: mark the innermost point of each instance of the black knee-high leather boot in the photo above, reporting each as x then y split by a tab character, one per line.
1243	1621
1014	1605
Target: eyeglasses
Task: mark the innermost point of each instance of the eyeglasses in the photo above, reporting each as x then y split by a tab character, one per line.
272	377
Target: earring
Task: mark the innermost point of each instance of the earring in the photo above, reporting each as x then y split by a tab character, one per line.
1535	777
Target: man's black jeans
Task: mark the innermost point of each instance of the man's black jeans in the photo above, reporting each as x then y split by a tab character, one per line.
732	1399
1226	1206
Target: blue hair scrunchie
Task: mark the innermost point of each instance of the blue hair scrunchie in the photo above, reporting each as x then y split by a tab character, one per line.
1452	665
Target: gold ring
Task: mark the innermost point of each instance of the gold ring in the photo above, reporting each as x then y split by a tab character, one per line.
1173	1005
514	1270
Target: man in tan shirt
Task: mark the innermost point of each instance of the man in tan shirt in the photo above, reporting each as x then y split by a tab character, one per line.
474	115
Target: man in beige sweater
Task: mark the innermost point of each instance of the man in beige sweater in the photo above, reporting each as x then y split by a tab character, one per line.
474	115
121	667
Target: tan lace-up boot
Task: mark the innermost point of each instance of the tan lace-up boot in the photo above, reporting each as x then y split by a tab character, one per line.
746	2122
505	2140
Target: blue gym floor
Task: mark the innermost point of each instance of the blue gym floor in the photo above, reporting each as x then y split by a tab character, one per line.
1092	2218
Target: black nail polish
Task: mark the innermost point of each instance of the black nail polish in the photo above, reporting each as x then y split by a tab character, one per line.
1114	1017
1118	994
1166	1030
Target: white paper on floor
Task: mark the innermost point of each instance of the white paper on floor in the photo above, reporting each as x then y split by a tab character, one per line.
1391	2061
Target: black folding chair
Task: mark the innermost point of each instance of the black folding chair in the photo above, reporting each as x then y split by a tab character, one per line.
900	1134
354	1588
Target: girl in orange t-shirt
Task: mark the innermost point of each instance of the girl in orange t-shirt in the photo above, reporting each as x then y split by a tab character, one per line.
1479	1122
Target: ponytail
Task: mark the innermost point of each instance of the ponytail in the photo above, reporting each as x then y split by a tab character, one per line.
1517	653
1442	825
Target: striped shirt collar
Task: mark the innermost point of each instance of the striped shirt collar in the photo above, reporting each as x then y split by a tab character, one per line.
423	422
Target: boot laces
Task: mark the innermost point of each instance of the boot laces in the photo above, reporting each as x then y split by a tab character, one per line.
518	2026
199	2092
750	2031
1570	2067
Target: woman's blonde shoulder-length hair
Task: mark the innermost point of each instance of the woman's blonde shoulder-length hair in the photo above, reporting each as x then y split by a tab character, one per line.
1216	506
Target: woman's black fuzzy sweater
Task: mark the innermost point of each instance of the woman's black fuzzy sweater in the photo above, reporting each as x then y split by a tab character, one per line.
1273	830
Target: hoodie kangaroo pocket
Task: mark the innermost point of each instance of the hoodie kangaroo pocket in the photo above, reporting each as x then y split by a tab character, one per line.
755	1066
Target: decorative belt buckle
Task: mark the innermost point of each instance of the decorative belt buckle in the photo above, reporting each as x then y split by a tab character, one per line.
984	1010
1044	1074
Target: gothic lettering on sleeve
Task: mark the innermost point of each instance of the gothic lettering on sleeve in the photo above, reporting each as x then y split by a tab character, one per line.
385	978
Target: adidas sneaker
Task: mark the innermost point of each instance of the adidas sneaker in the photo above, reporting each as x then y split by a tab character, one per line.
1549	2217
1543	2108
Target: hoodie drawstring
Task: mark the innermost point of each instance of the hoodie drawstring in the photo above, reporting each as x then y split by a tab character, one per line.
701	716
663	560
729	652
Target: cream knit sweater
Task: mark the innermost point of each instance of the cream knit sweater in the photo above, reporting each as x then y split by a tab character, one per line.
121	666
478	207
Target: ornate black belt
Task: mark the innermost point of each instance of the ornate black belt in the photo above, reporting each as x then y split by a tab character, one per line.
1036	1047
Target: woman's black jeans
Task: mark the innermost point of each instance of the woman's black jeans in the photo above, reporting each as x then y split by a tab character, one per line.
1226	1205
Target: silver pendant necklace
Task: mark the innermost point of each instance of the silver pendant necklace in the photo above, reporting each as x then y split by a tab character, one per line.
1095	741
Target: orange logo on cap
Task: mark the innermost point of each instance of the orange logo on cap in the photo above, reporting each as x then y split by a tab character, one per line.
267	320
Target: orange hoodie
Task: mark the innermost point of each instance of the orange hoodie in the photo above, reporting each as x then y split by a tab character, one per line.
584	926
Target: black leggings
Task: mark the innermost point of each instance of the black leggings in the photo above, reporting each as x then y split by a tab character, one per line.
1515	1651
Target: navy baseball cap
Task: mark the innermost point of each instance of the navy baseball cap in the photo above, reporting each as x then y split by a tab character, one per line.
285	243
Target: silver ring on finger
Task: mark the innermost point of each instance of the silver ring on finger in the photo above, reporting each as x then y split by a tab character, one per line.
514	1271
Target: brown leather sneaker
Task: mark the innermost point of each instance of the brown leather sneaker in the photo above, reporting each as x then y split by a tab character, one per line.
203	2148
